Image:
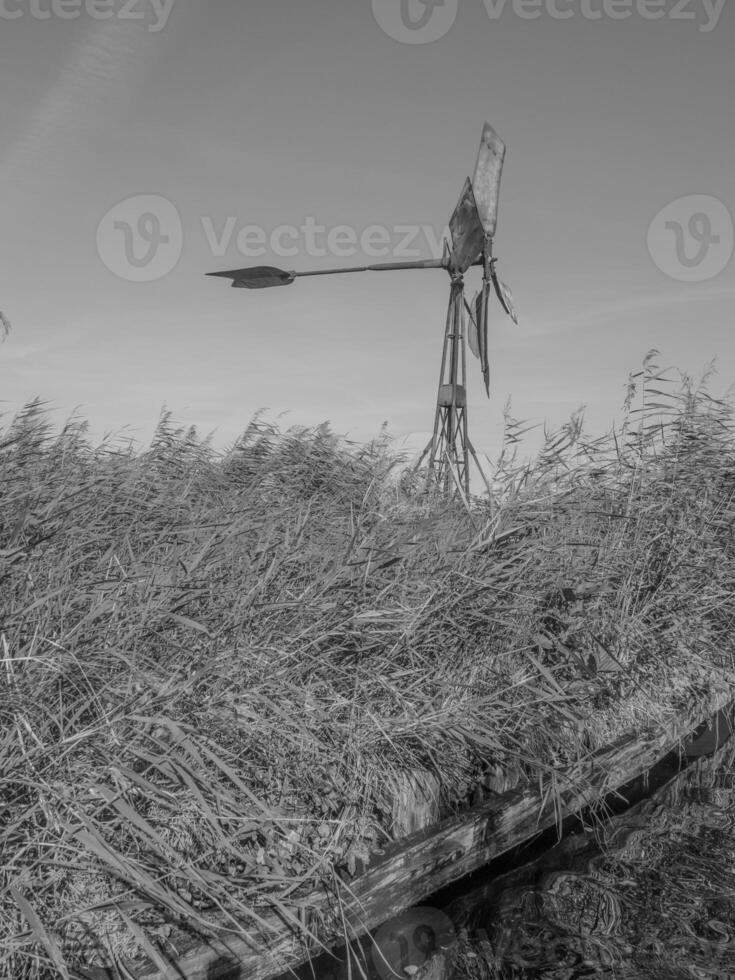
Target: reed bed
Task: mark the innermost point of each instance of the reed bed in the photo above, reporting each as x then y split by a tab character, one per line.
217	670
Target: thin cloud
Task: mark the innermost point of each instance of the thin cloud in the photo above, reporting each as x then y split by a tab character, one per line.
105	64
594	315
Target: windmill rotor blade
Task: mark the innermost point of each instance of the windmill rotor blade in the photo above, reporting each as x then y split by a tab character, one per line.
486	179
505	296
259	277
477	330
509	304
472	335
468	234
482	319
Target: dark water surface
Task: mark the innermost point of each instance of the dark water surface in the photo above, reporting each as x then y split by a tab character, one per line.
646	892
649	893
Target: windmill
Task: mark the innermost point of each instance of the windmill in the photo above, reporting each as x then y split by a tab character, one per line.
472	229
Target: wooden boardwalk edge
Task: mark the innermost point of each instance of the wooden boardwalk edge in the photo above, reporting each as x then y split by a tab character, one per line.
431	859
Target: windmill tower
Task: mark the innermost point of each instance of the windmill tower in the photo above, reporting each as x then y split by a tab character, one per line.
472	229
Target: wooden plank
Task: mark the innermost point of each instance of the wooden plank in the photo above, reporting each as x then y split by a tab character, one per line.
409	870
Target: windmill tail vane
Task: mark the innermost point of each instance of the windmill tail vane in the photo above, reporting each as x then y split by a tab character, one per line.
472	230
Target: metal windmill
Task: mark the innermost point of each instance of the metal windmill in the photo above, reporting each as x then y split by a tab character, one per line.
472	228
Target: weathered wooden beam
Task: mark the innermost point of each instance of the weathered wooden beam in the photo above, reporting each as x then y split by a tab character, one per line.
412	868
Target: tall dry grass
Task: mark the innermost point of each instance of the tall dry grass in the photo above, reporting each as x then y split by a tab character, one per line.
215	669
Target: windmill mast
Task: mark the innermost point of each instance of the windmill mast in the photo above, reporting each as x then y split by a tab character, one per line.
450	445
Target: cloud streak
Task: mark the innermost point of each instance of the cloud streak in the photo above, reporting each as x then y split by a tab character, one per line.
594	315
106	65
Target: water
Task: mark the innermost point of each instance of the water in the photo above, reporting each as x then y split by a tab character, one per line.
649	895
646	892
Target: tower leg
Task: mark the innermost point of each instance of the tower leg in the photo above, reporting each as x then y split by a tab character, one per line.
450	443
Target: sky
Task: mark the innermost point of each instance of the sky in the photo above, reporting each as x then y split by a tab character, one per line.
147	142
